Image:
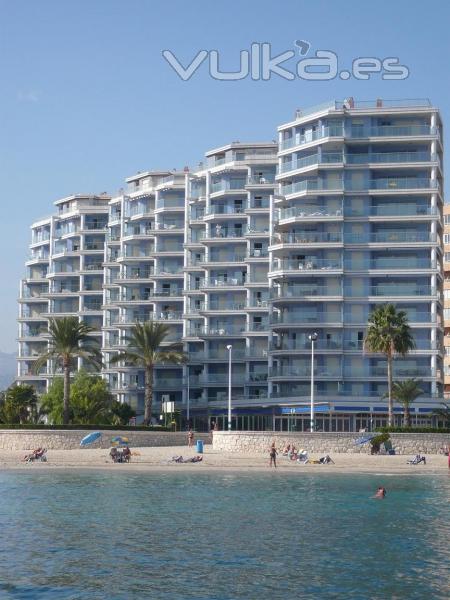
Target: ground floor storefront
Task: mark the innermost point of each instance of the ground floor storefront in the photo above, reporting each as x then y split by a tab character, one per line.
291	419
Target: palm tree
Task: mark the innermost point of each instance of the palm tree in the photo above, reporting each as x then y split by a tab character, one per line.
69	339
406	392
388	333
144	350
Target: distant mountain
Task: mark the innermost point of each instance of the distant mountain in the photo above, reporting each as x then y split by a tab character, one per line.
7	369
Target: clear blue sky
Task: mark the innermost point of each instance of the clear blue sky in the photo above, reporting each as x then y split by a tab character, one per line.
86	98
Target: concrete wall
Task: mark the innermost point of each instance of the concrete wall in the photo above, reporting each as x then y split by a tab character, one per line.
258	442
22	439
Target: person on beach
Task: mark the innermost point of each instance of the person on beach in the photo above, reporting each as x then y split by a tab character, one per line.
273	455
381	493
190	438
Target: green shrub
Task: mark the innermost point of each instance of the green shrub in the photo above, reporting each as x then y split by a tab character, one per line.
413	430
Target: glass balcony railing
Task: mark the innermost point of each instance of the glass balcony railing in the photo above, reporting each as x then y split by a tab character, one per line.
197	214
218	231
218	330
312	185
413	317
402	290
312	136
307	317
136	274
225	210
301	345
308	237
305	372
312	159
267	178
407	262
401	210
391	237
308	212
219	282
300	290
224	186
324	264
395	131
227	258
390	157
401	183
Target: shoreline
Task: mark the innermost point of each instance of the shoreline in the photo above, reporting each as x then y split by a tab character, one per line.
158	460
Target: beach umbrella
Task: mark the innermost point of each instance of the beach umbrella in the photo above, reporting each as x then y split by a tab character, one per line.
90	438
120	440
364	439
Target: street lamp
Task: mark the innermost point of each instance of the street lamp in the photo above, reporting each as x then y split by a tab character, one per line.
188	407
229	348
312	338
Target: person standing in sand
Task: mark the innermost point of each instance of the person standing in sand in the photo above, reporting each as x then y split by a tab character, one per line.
190	438
273	455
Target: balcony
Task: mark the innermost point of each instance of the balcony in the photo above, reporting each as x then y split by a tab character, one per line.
312	159
393	131
305	345
168	315
219	283
227	186
399	183
392	237
305	372
305	290
317	213
306	317
400	210
308	265
223	331
390	157
225	210
219	232
312	185
400	290
312	136
226	258
386	264
308	238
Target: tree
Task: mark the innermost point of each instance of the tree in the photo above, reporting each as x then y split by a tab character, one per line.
69	340
90	401
144	351
121	413
406	392
18	404
389	333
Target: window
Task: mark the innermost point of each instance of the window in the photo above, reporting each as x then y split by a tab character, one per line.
447	219
447	256
446	238
446	294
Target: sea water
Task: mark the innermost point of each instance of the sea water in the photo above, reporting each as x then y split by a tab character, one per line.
119	535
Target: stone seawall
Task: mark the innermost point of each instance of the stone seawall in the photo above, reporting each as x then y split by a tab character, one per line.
60	439
257	442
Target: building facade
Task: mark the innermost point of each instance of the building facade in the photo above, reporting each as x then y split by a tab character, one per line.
248	255
447	301
64	278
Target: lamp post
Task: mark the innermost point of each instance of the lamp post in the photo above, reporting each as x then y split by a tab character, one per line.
312	338
188	406
230	349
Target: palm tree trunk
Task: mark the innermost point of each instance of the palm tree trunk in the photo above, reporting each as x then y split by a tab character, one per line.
148	394
66	398
390	403
406	415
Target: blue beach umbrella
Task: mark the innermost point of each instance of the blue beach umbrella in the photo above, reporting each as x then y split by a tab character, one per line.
364	439
90	438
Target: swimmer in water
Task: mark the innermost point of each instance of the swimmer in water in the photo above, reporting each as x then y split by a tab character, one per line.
381	493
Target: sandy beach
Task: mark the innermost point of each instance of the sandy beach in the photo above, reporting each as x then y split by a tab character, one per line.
159	459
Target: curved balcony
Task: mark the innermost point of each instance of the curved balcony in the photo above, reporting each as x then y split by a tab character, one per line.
313	136
306	291
304	318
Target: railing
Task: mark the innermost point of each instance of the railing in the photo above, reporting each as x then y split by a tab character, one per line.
141	274
390	157
312	159
263	326
223	209
258	253
197	214
266	179
312	136
305	317
401	210
93	267
95	226
400	290
92	306
219	331
305	372
407	262
259	203
401	183
222	232
320	344
151	316
323	264
317	213
300	290
130	231
232	184
394	131
391	237
307	238
227	258
169	226
311	185
231	281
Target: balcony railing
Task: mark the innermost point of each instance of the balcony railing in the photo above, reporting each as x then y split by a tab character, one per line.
312	136
391	237
231	281
390	157
316	213
307	317
407	262
224	186
324	264
300	290
225	210
308	238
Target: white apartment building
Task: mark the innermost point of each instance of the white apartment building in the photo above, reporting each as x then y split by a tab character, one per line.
248	255
64	278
